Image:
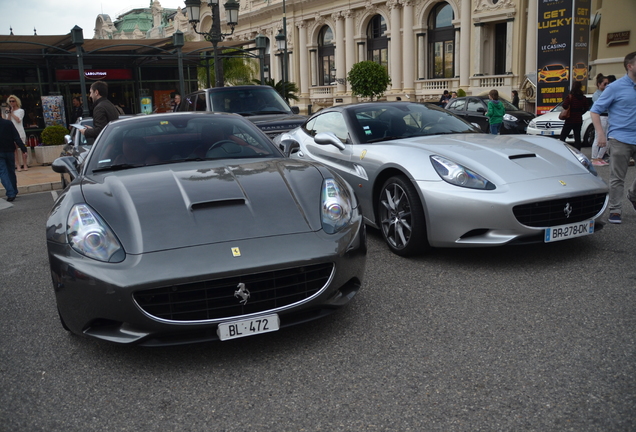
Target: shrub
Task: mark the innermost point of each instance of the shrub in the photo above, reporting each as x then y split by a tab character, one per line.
461	93
368	79
53	135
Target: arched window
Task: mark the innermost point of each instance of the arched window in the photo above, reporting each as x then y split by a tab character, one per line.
326	57
377	42
441	42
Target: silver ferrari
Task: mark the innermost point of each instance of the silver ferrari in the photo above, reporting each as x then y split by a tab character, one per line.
425	177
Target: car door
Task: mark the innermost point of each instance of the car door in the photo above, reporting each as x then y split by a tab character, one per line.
476	113
330	155
458	107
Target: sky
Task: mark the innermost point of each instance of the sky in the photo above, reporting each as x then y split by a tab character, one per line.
58	17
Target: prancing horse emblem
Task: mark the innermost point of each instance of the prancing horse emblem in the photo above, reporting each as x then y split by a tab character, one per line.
243	293
567	210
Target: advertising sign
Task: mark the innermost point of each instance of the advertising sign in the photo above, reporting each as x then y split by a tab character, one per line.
94	74
562	54
53	110
145	104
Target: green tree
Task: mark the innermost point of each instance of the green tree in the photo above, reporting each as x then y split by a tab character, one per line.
368	79
290	88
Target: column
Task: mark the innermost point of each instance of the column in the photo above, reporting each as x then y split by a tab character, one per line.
509	37
341	66
531	37
395	60
421	56
313	65
350	47
409	47
477	49
303	77
464	46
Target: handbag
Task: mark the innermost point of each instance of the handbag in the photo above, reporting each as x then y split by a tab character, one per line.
565	114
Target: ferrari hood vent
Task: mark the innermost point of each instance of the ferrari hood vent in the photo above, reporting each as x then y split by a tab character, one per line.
521	156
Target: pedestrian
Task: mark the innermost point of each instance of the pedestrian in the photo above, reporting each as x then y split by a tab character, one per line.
599	152
578	104
78	110
619	101
9	138
103	110
515	98
444	99
453	96
176	101
496	111
15	113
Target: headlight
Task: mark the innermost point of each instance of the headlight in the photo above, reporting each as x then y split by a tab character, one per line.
532	124
89	235
336	207
583	159
509	117
458	175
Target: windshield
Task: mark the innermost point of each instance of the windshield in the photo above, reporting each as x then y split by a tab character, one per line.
383	122
248	101
173	138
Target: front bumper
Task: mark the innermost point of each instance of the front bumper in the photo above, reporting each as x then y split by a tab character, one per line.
97	299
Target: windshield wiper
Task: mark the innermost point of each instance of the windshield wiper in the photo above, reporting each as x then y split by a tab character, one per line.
387	138
269	112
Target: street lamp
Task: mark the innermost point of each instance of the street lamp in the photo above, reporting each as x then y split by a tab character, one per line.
281	43
77	38
214	35
261	45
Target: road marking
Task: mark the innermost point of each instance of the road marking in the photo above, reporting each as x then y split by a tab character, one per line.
54	195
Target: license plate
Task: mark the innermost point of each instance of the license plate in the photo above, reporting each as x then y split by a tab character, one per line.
547	132
248	327
569	231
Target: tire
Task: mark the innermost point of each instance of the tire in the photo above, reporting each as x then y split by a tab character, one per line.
588	137
401	217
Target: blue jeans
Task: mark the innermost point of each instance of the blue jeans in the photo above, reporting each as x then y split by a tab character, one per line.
7	173
494	128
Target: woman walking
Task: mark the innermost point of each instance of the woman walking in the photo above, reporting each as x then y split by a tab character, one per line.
16	115
577	102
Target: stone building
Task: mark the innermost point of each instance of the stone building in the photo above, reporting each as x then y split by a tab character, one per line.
428	46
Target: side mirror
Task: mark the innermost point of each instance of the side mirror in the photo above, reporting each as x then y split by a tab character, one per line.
67	139
481	110
329	138
289	146
295	110
65	164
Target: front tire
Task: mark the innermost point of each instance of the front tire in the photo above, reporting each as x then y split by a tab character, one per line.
401	217
588	137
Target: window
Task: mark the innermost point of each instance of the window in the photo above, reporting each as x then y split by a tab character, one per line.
442	42
330	122
475	104
377	42
326	57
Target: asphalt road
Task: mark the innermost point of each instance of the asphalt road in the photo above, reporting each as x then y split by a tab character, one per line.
532	338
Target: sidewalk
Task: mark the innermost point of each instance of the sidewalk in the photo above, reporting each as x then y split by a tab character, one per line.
39	178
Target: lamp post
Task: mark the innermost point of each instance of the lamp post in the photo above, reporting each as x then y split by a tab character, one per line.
77	37
214	35
281	43
261	45
178	41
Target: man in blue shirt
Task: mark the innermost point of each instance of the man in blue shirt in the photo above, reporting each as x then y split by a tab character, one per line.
619	100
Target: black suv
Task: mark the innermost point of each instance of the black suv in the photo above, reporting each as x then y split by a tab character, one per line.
262	105
474	109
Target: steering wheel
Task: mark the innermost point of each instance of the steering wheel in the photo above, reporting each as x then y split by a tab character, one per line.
220	143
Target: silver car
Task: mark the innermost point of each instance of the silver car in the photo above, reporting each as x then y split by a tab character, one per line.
428	178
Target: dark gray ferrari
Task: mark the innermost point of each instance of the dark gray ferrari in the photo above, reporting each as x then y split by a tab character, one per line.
191	227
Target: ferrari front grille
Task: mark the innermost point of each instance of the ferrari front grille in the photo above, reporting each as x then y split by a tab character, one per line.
234	296
560	211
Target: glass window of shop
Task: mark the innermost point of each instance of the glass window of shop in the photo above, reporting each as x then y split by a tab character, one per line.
23	83
441	42
326	54
377	41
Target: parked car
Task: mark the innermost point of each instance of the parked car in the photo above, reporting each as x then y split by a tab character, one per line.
425	177
188	227
553	73
549	124
262	105
474	108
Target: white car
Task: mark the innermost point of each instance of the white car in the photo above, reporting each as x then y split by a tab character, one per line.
549	124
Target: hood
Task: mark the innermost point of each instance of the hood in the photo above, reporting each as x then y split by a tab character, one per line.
187	204
273	122
506	159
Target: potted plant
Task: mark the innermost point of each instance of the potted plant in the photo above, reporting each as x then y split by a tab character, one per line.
52	138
